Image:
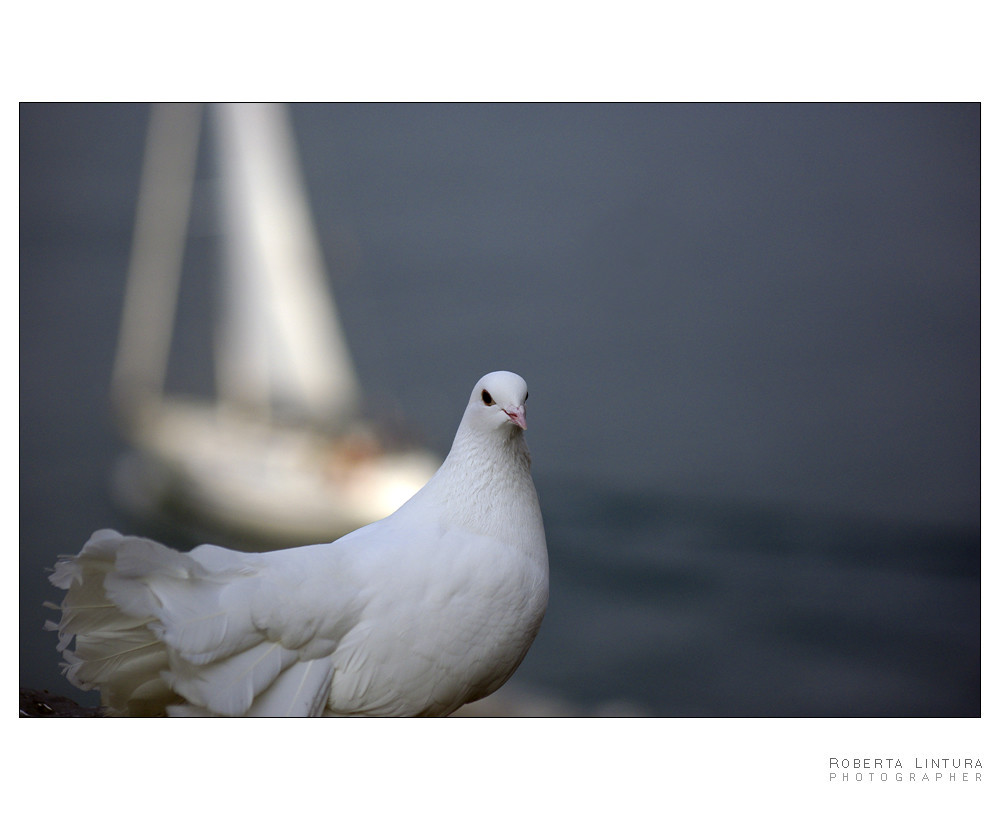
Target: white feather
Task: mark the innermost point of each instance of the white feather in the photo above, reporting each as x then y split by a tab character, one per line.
416	614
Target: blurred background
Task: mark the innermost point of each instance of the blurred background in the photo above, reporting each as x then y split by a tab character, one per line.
751	335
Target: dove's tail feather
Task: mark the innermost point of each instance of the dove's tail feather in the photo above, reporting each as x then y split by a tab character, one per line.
114	651
163	632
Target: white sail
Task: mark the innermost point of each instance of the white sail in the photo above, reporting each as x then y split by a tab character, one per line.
280	452
280	344
153	282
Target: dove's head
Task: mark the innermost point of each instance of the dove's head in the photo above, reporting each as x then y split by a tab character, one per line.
498	400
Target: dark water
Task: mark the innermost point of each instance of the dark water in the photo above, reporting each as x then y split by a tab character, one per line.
694	608
751	335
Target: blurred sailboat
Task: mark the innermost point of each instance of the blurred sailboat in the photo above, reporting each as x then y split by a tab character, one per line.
281	453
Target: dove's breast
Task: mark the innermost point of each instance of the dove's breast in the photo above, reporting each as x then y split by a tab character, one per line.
451	637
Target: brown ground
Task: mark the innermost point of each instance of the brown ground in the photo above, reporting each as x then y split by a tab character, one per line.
42	703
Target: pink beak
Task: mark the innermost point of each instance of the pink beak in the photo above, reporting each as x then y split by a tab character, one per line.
516	415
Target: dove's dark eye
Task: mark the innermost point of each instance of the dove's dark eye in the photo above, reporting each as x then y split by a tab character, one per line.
487	398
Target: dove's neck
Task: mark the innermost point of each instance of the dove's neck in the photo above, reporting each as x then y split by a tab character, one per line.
485	484
490	457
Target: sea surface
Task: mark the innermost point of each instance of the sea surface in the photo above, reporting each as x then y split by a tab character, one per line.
751	336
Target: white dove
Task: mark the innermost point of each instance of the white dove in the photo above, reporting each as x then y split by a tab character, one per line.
430	608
